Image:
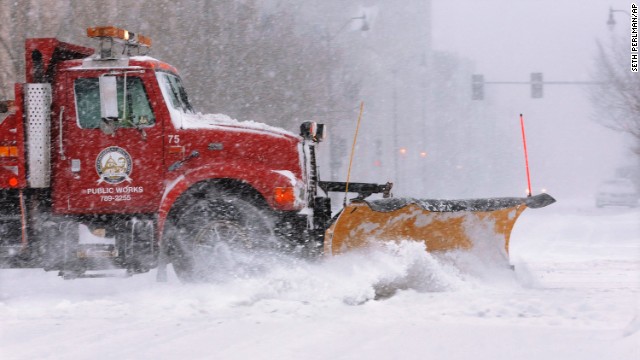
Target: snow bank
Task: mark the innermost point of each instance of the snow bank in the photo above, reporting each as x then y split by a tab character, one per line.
580	300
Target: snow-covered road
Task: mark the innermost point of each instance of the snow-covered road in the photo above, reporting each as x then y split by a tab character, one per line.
575	294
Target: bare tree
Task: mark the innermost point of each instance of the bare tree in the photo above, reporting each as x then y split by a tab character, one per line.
235	56
617	99
8	58
18	21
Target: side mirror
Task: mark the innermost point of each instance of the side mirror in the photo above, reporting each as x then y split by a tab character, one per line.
108	97
108	126
310	130
320	132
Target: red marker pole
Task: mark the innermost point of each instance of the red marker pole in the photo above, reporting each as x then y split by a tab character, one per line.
526	156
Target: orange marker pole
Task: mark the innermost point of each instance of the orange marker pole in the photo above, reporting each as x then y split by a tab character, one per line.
353	150
526	156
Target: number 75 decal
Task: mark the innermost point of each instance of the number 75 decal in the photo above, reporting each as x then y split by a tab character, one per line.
174	139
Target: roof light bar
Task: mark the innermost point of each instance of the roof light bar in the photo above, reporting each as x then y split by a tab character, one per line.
118	34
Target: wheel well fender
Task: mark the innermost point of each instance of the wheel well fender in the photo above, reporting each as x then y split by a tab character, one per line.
180	192
215	187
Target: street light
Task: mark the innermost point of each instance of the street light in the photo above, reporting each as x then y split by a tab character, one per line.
363	27
611	22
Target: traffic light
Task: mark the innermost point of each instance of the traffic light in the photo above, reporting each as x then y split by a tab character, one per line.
536	85
377	146
477	87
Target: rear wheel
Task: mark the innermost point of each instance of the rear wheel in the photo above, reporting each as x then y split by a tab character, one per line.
71	266
214	239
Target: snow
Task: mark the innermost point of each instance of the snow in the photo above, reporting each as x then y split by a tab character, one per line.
144	58
169	187
288	174
214	121
87	237
574	294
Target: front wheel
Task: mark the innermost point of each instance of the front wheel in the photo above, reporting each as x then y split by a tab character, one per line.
215	239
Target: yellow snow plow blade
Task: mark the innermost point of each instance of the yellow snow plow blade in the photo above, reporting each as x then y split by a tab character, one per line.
442	225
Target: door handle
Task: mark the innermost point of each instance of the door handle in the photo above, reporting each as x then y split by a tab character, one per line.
75	165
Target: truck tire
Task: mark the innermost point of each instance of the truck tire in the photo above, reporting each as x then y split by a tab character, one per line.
214	239
50	246
71	266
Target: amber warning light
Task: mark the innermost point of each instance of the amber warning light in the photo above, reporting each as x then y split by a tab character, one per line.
8	151
284	195
120	35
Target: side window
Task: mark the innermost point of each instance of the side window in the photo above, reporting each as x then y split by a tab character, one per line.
171	92
136	113
87	102
138	109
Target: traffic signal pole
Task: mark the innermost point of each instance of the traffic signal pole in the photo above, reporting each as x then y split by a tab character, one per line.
537	84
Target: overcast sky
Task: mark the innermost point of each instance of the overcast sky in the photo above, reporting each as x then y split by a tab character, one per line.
507	40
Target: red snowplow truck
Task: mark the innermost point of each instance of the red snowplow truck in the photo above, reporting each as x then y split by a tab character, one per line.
104	164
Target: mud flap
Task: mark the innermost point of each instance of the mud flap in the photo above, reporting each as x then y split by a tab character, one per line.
443	225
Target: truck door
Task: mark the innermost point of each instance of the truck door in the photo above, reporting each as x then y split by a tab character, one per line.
114	166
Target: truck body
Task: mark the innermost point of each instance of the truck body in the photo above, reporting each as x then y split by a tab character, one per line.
105	164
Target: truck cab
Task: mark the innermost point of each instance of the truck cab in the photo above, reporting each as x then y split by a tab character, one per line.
107	160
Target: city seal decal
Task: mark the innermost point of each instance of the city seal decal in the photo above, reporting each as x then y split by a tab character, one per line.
114	165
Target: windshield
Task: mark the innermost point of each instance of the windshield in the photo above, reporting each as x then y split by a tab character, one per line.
175	93
175	97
